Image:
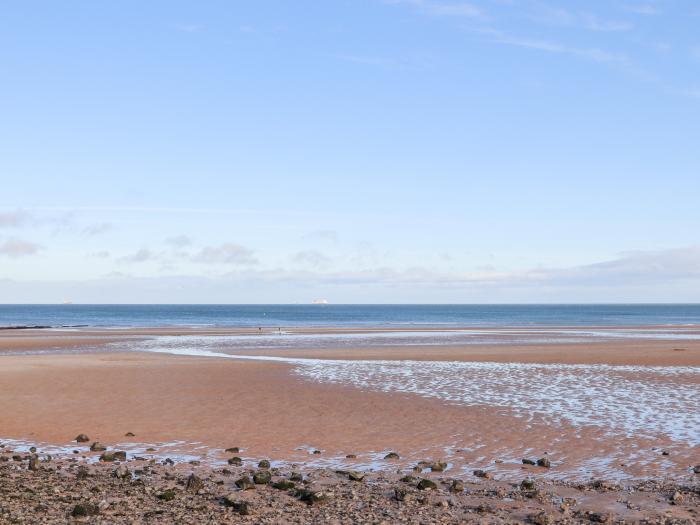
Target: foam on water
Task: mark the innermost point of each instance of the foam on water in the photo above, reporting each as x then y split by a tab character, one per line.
644	401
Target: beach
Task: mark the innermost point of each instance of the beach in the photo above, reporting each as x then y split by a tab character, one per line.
188	394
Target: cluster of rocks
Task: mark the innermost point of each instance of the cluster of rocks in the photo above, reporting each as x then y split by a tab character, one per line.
36	488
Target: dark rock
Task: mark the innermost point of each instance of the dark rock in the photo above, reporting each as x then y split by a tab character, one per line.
264	464
665	453
541	518
296	476
283	485
481	474
426	484
528	462
316	452
438	466
457	486
400	494
167	495
408	479
82	438
233	450
85	509
32	450
97	447
168	461
107	456
313	496
599	517
527	484
356	475
544	462
120	455
122	472
33	462
392	455
129	434
262	477
83	472
245	483
350	456
235	460
193	484
696	469
244	508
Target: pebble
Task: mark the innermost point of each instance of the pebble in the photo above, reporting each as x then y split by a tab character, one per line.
392	455
82	438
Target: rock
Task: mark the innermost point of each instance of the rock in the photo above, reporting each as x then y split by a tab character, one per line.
599	517
235	460
32	450
85	509
120	455
481	474
167	495
528	462
296	476
233	450
438	466
677	498
696	469
262	477
665	453
313	496
129	434
527	484
242	507
544	462
97	447
457	486
245	483
426	484
168	461
283	485
408	479
417	469
107	456
392	455
82	438
316	452
400	494
541	518
33	462
150	449
356	475
83	472
350	456
122	472
264	464
193	484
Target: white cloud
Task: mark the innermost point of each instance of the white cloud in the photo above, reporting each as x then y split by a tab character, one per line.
15	248
97	229
142	255
643	9
311	259
227	253
441	8
179	241
13	219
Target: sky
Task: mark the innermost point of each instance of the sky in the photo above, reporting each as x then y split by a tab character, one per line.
358	151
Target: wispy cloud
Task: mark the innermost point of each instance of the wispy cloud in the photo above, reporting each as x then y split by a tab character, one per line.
643	9
441	8
179	241
311	259
227	253
139	256
15	248
97	229
13	219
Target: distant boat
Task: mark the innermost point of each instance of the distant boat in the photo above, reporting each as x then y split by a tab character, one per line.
67	302
319	301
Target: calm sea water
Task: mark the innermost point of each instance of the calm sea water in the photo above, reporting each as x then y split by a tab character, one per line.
350	315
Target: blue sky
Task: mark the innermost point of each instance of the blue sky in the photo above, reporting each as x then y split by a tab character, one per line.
358	151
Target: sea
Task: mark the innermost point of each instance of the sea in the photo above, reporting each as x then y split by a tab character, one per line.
347	315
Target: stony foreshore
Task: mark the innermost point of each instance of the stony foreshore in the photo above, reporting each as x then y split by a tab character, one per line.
35	488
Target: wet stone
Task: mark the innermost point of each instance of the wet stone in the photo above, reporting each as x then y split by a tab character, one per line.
457	486
129	434
82	510
245	483
527	484
264	464
438	466
242	507
426	484
544	462
283	485
235	460
392	455
262	477
97	447
356	475
528	462
481	474
233	450
82	438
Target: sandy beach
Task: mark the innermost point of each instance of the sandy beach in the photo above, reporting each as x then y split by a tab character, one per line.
56	385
